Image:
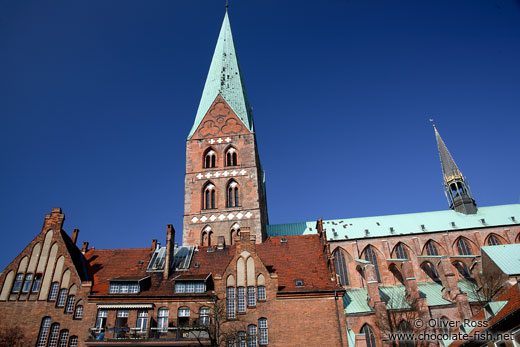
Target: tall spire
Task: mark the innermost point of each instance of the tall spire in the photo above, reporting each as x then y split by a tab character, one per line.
224	78
455	186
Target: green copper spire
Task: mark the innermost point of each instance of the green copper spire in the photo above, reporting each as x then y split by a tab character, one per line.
225	78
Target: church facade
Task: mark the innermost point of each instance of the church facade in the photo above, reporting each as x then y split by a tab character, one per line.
239	281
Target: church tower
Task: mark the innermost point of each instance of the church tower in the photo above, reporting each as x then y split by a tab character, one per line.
455	184
224	183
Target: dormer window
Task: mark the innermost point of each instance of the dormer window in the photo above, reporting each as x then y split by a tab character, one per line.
190	284
124	285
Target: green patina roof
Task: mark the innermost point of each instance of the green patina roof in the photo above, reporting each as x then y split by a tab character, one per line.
496	306
506	257
224	78
403	224
470	289
356	299
351	336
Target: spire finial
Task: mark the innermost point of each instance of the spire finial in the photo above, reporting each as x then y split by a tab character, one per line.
433	122
227	5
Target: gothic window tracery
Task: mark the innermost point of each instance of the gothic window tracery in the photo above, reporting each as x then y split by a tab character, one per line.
400	252
231	157
210	159
370	255
341	267
493	240
232	194
209	197
370	338
431	248
463	247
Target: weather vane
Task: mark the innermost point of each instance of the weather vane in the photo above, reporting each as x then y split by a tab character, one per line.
227	4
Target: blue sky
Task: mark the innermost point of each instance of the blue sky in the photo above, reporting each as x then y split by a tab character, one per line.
97	98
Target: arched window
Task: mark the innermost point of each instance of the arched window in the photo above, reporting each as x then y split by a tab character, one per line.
235	230
400	252
205	236
78	311
183	316
162	319
251	335
430	270
242	339
73	341
64	337
204	316
431	248
210	159
36	283
404	328
462	269
27	283
397	274
463	247
370	256
101	319
44	332
230	302
62	296
341	267
232	194
263	337
142	320
444	327
53	292
493	240
209	200
369	335
231	157
53	336
69	307
241	299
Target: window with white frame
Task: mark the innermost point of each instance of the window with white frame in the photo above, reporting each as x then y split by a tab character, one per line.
251	296
204	316
122	314
27	283
53	292
230	302
200	287
44	332
190	287
241	299
230	343
53	336
183	312
69	307
142	320
261	293
64	336
263	337
17	283
78	312
101	319
62	296
36	283
251	335
162	319
73	341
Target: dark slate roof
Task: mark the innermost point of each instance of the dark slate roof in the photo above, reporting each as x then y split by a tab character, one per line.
449	168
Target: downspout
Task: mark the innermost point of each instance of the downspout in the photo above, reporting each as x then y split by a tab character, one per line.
337	317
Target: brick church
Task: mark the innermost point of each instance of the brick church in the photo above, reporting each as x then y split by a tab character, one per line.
237	280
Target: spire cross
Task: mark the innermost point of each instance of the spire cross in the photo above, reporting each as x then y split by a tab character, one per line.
227	4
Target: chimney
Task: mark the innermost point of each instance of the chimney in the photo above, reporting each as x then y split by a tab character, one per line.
54	220
221	243
170	249
246	241
74	235
154	244
84	248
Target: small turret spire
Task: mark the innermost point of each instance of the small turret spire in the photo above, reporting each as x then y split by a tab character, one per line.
456	188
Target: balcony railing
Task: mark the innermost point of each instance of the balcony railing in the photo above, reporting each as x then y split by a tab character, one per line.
186	330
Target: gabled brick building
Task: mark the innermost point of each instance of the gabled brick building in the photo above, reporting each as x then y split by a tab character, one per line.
237	280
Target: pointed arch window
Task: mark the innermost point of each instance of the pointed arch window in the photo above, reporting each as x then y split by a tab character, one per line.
430	270
463	247
232	195
53	337
405	330
341	267
44	332
206	236
231	157
210	159
370	338
370	255
209	197
400	251
431	248
493	240
64	337
235	231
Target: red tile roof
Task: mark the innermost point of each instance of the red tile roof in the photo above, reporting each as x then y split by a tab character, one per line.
300	258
